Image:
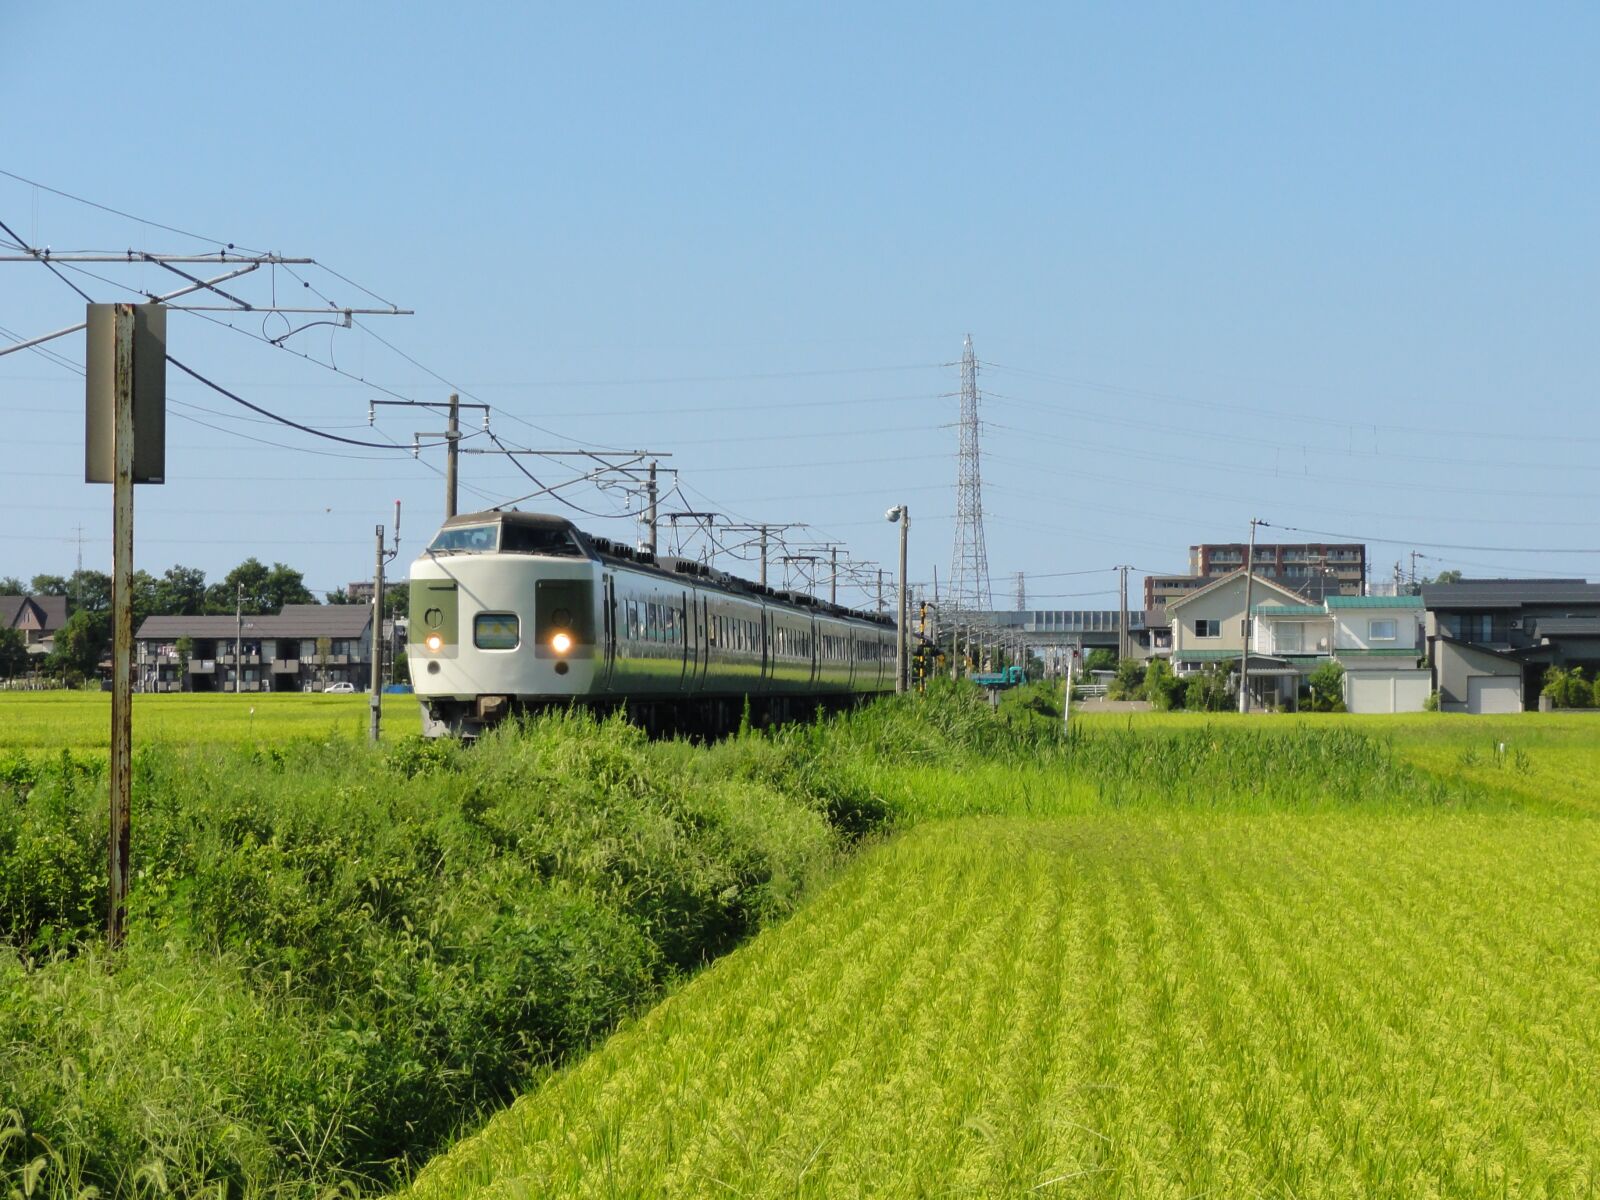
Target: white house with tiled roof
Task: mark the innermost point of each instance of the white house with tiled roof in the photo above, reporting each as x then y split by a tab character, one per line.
1378	640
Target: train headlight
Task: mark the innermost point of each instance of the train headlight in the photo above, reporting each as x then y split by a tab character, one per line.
434	643
561	643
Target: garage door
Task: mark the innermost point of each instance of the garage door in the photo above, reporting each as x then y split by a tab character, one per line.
1371	692
1494	694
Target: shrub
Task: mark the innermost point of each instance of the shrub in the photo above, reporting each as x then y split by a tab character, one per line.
1161	687
1129	682
1326	684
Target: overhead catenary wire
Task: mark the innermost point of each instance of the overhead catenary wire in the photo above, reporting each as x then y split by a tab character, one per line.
1355	537
315	432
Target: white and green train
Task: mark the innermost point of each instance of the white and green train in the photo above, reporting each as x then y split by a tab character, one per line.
513	611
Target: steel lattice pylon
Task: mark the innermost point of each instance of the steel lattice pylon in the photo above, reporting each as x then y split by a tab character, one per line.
969	563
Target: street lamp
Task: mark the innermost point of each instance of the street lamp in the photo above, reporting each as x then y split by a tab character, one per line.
901	514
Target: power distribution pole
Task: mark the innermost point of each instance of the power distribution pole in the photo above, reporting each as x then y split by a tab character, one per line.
452	455
379	644
880	591
650	511
1124	646
238	637
901	655
1244	657
763	556
833	574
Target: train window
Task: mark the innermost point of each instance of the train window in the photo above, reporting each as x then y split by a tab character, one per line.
466	539
531	539
496	631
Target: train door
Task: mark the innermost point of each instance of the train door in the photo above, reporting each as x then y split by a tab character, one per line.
702	651
686	662
766	644
608	600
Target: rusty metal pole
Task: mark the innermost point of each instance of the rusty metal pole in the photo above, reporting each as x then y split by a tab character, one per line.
121	628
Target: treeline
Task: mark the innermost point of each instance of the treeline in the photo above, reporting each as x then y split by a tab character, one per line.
251	587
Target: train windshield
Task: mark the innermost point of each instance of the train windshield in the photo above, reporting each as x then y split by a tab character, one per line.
532	539
468	539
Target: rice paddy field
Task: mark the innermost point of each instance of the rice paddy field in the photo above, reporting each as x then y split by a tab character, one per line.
923	950
1374	981
82	720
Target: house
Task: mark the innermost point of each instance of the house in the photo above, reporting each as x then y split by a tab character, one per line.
305	647
1490	641
1208	626
38	618
1378	640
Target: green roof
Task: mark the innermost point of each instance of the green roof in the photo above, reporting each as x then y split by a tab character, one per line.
1374	601
1288	610
1210	655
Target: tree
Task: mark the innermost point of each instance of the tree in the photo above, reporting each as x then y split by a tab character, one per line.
90	591
1129	683
79	645
1207	690
48	585
13	652
337	596
1327	688
10	585
180	592
286	586
1161	687
397	600
1100	660
265	589
184	648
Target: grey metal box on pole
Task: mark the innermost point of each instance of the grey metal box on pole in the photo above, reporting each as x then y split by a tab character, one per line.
149	394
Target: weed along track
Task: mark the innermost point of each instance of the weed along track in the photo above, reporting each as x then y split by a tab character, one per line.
922	949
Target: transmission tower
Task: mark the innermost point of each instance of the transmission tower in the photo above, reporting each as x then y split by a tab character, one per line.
969	564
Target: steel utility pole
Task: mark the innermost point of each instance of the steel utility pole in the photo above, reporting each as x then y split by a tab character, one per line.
122	627
1244	657
763	556
902	514
833	574
880	591
379	645
452	455
650	510
1124	646
238	637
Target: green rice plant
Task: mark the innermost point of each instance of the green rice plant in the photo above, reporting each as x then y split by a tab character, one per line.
1125	1004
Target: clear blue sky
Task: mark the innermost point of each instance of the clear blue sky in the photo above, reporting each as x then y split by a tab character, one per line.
1331	267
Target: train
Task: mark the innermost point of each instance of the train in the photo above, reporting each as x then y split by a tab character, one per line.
513	611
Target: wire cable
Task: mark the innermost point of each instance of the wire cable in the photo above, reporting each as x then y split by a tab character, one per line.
332	437
1352	537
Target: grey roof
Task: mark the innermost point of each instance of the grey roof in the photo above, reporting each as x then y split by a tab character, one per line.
1566	626
295	621
1508	593
52	608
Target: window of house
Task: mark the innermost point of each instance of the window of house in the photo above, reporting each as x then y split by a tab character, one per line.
1289	638
1381	630
1207	629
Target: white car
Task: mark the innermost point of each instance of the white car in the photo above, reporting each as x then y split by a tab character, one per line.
343	689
